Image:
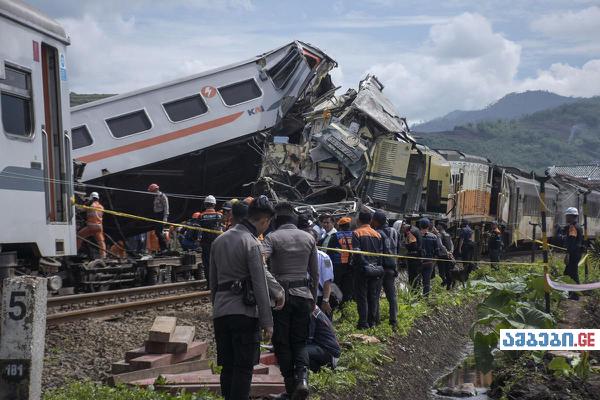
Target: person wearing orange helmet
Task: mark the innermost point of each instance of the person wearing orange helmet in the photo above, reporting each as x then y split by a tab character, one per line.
160	207
93	226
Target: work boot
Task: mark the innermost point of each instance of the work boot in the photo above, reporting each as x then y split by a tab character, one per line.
301	382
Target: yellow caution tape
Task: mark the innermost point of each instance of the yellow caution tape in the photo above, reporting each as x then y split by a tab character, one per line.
217	232
137	217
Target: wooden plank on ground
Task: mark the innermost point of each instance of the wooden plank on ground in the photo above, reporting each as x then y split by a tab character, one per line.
180	340
121	367
155	372
268	359
131	354
196	349
162	329
257	390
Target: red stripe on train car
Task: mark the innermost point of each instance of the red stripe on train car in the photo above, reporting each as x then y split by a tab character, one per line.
167	137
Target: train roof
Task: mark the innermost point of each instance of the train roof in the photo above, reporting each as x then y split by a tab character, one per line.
24	14
589	172
456	155
159	86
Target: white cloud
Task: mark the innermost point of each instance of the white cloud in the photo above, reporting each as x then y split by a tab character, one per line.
570	25
465	65
567	80
114	55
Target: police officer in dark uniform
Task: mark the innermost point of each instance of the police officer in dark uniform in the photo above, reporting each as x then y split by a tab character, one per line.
572	236
413	244
430	250
240	297
292	254
390	245
211	220
495	244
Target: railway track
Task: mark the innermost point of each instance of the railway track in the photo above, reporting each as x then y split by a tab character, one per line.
93	305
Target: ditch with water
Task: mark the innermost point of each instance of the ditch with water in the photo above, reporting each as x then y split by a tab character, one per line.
465	381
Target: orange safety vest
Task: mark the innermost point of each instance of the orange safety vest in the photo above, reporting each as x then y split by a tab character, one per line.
94	217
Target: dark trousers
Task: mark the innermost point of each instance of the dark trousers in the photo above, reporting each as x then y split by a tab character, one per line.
343	277
426	269
366	294
389	287
414	271
468	252
445	267
572	270
290	333
158	231
494	257
238	351
420	271
206	261
317	357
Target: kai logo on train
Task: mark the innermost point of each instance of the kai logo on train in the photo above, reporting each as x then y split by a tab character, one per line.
256	110
208	91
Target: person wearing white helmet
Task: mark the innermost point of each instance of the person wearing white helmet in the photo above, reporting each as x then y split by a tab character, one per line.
213	220
572	236
93	226
160	207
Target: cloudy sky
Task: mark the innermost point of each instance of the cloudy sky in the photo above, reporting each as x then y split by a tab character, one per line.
433	56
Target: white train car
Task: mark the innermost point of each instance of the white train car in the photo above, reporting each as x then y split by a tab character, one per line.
578	193
194	135
35	144
519	205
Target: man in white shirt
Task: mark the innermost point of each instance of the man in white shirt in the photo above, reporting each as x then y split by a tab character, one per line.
325	281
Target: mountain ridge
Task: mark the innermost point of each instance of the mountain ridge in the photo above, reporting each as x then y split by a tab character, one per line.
512	105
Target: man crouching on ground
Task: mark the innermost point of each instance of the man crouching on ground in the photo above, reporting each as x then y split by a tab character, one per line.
240	296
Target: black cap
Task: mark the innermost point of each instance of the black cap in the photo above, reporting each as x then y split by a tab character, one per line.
285	209
379	216
262	205
424	223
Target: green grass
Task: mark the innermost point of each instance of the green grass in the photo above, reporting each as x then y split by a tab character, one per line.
90	390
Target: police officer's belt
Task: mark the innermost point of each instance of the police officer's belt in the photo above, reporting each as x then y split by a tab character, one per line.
294	284
227	286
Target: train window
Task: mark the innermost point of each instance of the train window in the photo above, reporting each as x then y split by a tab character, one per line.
15	100
81	137
129	124
240	92
186	108
281	72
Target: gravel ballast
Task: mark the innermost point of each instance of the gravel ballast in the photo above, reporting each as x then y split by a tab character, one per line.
86	349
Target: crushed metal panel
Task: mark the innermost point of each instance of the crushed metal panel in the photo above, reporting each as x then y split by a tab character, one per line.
345	146
385	181
371	101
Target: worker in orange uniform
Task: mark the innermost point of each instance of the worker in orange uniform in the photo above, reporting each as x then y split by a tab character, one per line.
93	225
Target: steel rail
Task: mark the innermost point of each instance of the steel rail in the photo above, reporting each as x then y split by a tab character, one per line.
58	301
112	309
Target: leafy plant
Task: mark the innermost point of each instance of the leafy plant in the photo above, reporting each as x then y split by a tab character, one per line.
515	304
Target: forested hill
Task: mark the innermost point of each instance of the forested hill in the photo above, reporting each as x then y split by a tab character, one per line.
568	134
513	105
79	99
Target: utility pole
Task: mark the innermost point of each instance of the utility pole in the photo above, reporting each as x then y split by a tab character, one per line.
542	181
585	229
533	243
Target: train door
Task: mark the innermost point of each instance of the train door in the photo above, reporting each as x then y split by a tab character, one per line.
56	166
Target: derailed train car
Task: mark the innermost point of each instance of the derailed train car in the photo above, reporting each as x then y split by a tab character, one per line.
195	135
355	146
